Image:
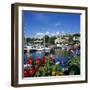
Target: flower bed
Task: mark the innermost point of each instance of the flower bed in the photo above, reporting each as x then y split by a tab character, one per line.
54	64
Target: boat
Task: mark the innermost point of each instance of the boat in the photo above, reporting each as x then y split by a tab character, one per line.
36	48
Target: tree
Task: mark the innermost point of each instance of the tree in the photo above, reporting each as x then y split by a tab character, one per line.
46	38
52	39
28	40
70	38
77	34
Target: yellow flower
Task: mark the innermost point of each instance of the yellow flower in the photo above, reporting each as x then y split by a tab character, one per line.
53	73
57	75
61	73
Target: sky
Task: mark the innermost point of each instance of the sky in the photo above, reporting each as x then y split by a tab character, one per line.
38	24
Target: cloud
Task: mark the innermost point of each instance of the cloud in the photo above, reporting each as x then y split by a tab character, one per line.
63	32
39	34
42	34
56	33
52	34
57	24
47	33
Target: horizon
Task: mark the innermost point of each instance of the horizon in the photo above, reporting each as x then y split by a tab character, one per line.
52	36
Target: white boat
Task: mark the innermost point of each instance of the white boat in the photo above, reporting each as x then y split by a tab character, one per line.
37	48
42	48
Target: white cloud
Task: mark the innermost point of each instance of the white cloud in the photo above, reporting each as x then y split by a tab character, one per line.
47	33
57	33
39	34
52	34
57	24
42	34
62	33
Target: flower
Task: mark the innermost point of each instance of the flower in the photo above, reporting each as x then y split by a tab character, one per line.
57	62
52	58
38	61
31	72
30	61
53	73
60	54
61	73
44	60
26	73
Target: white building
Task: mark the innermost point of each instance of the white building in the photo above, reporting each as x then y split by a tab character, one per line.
76	38
58	40
61	40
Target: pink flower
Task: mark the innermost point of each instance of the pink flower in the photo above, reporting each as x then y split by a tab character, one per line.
52	57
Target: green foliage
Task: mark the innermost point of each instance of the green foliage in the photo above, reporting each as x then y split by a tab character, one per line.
66	53
77	34
74	66
52	39
75	61
46	38
48	69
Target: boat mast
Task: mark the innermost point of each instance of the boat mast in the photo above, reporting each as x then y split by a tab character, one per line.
44	42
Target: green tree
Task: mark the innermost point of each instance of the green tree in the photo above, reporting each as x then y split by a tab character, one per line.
46	38
52	39
28	40
77	34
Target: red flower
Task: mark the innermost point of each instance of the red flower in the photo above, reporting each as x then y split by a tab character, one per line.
31	72
44	60
30	61
38	61
26	73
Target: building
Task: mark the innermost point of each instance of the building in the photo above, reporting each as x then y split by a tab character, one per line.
58	40
61	40
76	38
